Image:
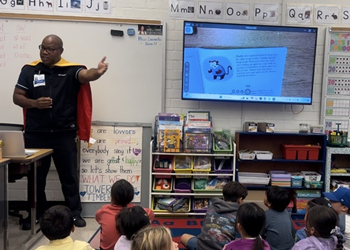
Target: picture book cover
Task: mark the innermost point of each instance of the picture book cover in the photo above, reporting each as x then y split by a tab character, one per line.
172	140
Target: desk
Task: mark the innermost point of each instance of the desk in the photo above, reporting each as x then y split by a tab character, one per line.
32	162
4	241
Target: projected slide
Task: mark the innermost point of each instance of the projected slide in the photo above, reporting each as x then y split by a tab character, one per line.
254	72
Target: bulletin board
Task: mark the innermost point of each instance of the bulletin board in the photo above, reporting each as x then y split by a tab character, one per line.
132	90
336	80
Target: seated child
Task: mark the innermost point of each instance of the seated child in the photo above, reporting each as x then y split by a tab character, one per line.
279	230
129	221
220	220
301	233
321	227
250	220
153	238
122	193
340	200
56	224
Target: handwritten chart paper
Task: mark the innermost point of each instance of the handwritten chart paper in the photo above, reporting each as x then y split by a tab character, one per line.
116	154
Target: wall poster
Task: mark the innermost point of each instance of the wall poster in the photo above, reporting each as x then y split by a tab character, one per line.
115	154
336	81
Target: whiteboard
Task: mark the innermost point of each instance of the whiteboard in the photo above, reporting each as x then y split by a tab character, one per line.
132	89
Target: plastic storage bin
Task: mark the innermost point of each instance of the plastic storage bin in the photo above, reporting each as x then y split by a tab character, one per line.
253	178
182	185
280	174
200	205
308	193
223	166
201	165
183	209
209	185
183	165
246	154
311	176
280	178
338	140
263	155
297	179
163	164
313	184
162	185
216	145
300	152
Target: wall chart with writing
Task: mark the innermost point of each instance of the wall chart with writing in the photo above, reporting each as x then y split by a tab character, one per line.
337	107
116	154
338	86
336	80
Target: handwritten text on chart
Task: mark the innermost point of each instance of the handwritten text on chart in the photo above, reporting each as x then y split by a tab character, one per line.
149	41
116	154
18	46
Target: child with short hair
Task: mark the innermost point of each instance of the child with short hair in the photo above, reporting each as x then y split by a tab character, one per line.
321	226
301	233
122	193
279	231
153	238
340	200
250	220
220	220
56	224
129	221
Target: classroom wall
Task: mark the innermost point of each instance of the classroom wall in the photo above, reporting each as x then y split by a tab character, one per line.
225	115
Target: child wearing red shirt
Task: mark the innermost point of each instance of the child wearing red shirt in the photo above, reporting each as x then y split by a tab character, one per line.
122	193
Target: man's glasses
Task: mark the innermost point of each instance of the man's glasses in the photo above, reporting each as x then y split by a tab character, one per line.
48	50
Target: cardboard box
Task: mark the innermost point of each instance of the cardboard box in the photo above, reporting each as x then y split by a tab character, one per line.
266	127
250	127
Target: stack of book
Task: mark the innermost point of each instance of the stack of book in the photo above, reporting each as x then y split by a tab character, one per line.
197	132
169	132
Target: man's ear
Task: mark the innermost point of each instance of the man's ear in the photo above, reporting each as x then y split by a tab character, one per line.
73	228
344	208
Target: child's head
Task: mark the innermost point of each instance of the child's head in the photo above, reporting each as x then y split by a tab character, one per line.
320	221
153	238
316	202
340	199
130	220
122	193
276	198
251	219
235	192
57	222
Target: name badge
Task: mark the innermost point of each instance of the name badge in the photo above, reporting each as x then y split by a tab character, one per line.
39	80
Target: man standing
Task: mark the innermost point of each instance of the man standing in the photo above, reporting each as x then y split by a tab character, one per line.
50	91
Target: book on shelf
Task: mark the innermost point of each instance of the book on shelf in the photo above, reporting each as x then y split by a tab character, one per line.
197	142
198	116
167	121
169	117
171	140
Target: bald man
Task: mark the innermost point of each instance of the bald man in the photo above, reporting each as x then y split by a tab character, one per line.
48	90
